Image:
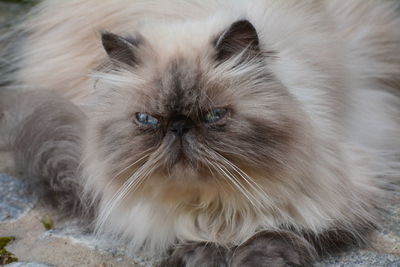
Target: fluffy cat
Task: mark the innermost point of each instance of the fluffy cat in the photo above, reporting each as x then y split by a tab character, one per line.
238	134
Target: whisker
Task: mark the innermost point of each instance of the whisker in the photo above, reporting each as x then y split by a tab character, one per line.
228	175
130	186
208	164
249	180
223	164
129	166
118	196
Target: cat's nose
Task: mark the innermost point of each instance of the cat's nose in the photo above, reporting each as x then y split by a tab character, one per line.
180	126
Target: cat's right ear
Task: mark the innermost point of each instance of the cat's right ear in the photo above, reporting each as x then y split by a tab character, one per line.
121	49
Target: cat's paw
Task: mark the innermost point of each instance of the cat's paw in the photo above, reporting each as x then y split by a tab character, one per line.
273	249
197	255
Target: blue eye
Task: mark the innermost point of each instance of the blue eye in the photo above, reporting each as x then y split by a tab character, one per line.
215	115
146	119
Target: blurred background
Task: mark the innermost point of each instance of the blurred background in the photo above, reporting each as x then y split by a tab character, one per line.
11	9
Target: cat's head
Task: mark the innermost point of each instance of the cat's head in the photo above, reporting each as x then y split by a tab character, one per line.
186	115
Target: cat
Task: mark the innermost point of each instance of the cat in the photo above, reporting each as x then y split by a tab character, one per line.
254	133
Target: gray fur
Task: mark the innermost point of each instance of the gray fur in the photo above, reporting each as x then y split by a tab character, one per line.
10	42
278	249
198	255
44	131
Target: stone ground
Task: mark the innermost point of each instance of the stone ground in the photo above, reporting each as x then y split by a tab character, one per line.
21	216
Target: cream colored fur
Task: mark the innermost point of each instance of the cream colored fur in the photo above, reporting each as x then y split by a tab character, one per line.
336	58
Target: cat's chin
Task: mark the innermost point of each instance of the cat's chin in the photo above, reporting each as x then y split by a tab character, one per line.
182	171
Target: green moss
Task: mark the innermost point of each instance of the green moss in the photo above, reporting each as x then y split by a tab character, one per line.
47	222
6	257
5	240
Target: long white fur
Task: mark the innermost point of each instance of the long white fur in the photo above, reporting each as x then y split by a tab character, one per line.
331	56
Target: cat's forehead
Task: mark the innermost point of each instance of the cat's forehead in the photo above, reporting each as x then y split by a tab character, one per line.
187	85
181	87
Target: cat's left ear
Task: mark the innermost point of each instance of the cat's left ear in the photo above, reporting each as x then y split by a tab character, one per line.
240	36
121	49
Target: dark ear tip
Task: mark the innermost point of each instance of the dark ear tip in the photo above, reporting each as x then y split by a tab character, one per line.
105	33
244	23
239	36
247	29
107	37
119	48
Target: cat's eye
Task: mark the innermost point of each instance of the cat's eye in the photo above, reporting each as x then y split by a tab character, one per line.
215	115
146	119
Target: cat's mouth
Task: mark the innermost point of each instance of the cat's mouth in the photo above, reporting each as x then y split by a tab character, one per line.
180	157
179	154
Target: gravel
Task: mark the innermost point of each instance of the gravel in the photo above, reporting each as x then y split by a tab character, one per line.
15	198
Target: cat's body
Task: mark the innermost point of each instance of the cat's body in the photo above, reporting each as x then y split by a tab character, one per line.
304	117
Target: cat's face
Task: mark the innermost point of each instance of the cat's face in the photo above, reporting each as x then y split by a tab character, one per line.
209	118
